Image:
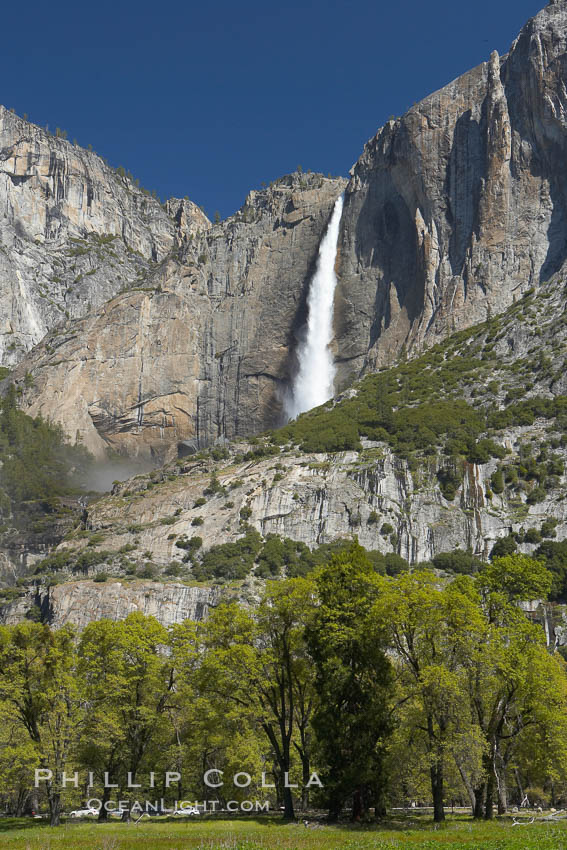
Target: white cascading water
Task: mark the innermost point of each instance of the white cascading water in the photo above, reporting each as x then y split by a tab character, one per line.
314	382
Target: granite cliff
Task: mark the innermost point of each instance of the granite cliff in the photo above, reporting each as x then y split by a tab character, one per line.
73	232
450	213
80	603
156	334
460	205
202	347
417	505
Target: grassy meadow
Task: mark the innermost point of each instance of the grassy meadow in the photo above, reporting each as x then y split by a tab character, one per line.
266	833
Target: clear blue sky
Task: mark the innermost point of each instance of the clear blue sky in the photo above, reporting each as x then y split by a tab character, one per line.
210	99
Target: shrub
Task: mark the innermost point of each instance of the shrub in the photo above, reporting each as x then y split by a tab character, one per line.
548	528
214	486
395	564
198	520
554	556
386	529
504	546
96	538
497	482
271	559
511	475
538	494
373	518
191	545
555	466
538	797
218	453
457	561
231	560
532	535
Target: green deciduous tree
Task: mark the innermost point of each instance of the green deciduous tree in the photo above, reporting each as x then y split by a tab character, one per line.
259	662
353	683
38	682
431	630
128	682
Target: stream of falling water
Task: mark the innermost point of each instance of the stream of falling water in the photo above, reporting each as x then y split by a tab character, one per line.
314	382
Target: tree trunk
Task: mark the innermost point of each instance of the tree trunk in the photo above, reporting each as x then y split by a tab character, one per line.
54	808
479	794
489	803
470	790
357	805
335	807
380	807
289	813
303	752
436	772
306	775
278	779
283	759
22	802
33	804
437	789
502	795
103	813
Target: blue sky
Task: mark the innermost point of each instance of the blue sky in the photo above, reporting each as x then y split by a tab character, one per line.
209	100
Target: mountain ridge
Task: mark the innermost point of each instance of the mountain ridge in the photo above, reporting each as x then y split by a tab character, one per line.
451	211
448	425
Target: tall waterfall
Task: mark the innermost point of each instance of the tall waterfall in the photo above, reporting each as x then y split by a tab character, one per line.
314	381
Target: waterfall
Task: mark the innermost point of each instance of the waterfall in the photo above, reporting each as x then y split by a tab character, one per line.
313	384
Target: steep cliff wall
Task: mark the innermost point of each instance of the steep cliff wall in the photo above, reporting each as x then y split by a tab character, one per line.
514	366
200	349
452	211
458	206
80	603
73	232
319	498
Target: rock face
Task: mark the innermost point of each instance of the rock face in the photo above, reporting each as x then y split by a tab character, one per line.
393	505
203	348
458	206
73	232
159	329
389	503
451	212
319	499
79	603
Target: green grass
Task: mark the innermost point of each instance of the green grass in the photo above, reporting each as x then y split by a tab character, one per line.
266	833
